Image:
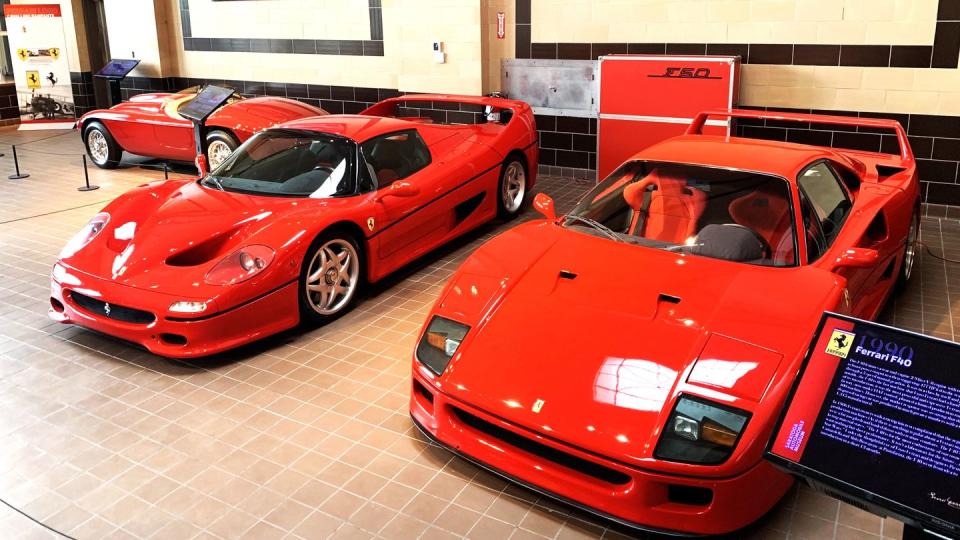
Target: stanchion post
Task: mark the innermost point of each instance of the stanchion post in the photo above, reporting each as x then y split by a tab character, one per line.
16	166
166	172
86	178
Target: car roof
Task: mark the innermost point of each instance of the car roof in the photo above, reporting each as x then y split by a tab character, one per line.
758	155
354	126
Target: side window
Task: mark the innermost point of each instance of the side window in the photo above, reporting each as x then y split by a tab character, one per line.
395	156
816	243
826	197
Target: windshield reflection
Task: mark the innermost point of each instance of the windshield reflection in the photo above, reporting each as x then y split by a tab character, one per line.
739	216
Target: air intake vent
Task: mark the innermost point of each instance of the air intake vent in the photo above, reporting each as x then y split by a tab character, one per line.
543	451
112	311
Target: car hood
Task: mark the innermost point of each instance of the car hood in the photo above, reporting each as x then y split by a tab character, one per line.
593	340
169	234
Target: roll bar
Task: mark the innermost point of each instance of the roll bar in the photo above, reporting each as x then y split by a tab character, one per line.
906	153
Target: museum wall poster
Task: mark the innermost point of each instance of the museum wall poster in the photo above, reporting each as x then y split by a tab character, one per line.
40	66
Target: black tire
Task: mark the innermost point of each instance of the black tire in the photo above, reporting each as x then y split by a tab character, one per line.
311	311
910	251
510	204
215	138
107	157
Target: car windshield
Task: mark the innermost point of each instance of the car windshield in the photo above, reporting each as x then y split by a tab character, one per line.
289	163
720	213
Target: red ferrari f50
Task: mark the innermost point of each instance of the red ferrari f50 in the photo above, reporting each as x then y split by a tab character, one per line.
292	224
632	356
151	125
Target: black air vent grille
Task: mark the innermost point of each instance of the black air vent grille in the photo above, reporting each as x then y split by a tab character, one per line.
116	312
583	466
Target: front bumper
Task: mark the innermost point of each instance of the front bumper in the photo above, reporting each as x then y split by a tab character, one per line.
214	331
640	499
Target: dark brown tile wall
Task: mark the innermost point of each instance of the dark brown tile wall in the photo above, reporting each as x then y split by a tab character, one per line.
9	106
570	143
83	99
935	141
943	53
333	99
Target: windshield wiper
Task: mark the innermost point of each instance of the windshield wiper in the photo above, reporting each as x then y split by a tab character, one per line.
596	225
216	182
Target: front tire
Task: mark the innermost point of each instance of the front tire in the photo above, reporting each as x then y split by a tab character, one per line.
512	188
102	150
910	250
220	145
330	277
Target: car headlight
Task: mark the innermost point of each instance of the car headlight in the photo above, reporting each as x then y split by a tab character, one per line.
440	342
240	265
85	235
700	431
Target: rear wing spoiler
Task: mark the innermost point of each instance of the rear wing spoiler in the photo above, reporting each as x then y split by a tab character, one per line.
906	153
387	107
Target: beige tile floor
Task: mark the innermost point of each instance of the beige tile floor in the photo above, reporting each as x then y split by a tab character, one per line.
304	435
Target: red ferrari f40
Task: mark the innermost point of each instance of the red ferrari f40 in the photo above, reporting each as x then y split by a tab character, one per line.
631	357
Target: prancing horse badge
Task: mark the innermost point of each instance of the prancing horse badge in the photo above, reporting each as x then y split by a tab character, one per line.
537	405
370	223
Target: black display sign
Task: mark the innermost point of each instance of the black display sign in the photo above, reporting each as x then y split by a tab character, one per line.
208	100
874	416
117	68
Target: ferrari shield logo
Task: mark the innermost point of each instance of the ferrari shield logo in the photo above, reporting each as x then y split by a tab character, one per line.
23	54
840	342
33	79
537	405
370	223
54	52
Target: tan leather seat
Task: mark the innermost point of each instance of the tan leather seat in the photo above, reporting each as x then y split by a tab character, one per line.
672	212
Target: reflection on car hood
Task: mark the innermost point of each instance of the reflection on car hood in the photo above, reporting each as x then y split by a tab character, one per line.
605	345
154	225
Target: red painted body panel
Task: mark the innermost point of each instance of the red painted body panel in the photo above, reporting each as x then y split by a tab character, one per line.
594	365
159	220
141	126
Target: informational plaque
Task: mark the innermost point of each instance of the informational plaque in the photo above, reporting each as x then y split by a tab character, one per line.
874	419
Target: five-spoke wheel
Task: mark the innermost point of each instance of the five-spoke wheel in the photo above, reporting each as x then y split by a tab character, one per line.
331	277
512	188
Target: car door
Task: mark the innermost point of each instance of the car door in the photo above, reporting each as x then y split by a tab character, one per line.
408	222
825	204
172	133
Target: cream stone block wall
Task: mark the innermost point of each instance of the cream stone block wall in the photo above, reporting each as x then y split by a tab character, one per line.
409	29
890	22
290	19
132	28
844	22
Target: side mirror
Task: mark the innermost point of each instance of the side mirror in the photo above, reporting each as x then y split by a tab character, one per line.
202	166
399	189
544	204
857	258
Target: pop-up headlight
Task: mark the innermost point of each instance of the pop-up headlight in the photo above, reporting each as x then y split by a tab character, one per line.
439	343
700	431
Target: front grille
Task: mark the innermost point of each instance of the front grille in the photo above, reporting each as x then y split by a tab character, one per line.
580	465
114	311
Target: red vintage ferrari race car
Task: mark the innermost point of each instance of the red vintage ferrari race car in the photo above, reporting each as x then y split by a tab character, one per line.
292	225
150	125
631	357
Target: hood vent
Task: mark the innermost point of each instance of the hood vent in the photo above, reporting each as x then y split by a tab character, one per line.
204	251
669	298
